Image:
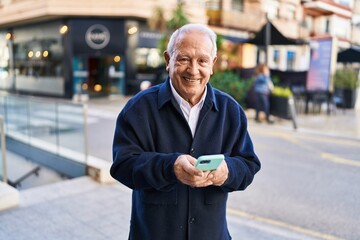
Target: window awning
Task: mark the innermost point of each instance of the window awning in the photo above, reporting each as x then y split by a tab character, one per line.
350	55
275	38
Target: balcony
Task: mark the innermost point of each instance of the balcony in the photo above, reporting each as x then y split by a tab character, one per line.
323	7
248	21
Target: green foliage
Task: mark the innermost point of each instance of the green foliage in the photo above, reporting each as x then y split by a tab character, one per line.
281	92
275	79
232	84
177	20
219	41
346	78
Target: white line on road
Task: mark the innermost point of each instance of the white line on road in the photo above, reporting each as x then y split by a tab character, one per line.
292	229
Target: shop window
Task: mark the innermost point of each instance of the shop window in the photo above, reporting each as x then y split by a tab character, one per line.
38	59
147	59
276	57
290	60
5	81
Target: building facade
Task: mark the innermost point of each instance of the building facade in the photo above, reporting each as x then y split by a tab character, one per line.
69	48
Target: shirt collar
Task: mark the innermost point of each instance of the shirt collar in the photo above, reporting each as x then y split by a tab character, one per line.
182	101
165	95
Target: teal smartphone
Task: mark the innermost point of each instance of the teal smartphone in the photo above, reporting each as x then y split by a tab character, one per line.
209	162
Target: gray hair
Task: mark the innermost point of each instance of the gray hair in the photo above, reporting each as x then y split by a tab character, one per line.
192	27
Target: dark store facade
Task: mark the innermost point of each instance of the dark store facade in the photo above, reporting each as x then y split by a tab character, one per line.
69	58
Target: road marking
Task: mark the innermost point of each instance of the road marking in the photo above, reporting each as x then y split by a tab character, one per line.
283	225
340	160
327	156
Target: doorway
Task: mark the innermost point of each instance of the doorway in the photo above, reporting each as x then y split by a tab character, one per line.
98	82
98	76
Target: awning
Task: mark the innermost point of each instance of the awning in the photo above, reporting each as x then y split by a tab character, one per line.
235	39
276	37
232	35
350	55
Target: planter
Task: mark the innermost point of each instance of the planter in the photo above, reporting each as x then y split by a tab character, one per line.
347	96
280	107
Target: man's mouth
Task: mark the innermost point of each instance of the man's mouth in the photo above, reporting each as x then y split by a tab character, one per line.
191	80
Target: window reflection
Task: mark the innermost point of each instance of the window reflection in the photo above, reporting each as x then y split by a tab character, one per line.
5	81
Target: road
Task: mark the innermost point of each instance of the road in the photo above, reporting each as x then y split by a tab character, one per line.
308	184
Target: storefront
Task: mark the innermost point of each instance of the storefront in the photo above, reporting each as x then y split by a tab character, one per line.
78	57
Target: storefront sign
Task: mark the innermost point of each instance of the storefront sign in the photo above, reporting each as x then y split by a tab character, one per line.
97	36
321	64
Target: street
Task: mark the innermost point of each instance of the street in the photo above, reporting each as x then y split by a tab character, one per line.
308	184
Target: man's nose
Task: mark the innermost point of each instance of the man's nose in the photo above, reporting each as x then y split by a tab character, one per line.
193	67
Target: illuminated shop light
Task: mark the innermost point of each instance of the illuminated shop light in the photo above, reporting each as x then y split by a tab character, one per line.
63	29
132	30
30	54
45	54
85	86
8	36
37	54
97	88
117	59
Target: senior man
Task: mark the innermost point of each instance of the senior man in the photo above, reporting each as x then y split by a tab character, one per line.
162	131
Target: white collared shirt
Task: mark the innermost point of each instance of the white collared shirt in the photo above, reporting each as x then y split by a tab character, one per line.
191	114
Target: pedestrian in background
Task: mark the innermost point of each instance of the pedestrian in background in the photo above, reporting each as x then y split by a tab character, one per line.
263	86
162	131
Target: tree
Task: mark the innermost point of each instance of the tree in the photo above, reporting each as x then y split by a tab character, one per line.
177	20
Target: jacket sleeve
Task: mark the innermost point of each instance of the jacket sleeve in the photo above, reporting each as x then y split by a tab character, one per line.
242	161
136	168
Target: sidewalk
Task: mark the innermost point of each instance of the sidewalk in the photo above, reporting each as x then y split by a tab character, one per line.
344	123
82	208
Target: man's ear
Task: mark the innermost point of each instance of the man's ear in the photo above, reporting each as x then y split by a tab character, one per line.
214	61
167	59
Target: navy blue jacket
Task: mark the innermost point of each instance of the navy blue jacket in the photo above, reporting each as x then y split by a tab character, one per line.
151	132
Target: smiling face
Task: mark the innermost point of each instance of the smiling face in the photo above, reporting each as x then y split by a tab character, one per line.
191	65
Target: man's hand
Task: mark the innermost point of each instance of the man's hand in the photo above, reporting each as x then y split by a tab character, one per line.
220	175
187	174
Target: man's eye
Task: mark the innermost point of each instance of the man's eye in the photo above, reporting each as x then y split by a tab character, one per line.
203	61
183	60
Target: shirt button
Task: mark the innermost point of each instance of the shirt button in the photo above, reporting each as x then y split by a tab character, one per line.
192	220
192	150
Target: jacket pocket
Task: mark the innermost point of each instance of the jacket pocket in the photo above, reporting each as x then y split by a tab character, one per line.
215	195
152	196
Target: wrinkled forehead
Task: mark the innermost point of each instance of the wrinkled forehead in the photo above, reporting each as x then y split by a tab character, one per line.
195	39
